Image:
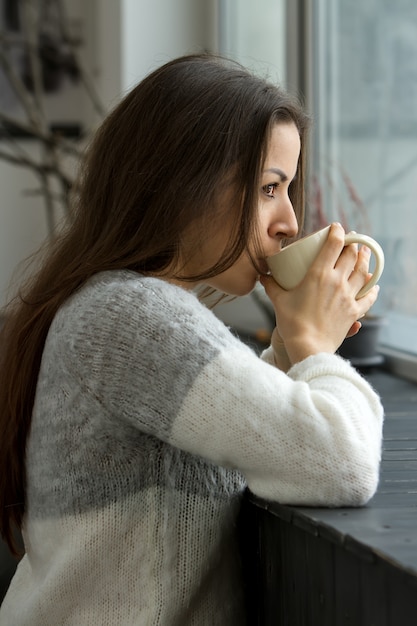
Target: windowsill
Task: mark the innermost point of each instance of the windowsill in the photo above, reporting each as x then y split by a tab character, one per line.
398	345
344	565
400	363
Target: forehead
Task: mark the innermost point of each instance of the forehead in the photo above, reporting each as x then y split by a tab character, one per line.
283	149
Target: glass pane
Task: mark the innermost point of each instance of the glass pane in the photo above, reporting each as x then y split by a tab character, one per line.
364	155
253	33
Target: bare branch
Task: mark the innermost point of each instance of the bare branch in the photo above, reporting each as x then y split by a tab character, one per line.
85	77
22	93
57	152
49	203
47	137
30	21
19	160
39	168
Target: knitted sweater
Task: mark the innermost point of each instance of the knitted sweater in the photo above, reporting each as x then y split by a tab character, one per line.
150	421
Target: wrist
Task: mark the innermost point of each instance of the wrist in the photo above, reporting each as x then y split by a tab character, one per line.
299	349
281	358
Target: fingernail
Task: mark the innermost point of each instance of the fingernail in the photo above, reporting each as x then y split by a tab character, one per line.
366	250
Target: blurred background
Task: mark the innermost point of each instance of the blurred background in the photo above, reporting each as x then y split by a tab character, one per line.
352	62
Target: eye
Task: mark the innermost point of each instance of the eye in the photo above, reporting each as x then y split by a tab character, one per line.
269	190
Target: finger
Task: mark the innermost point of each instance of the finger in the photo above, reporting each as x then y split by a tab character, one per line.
349	257
367	301
333	247
360	274
354	329
347	264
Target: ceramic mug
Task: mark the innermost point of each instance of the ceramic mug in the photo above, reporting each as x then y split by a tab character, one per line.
289	266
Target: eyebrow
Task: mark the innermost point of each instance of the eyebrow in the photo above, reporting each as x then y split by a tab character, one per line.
280	173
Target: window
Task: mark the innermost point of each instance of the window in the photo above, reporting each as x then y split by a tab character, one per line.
363	91
355	63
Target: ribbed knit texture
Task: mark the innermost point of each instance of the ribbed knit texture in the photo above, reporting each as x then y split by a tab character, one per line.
150	420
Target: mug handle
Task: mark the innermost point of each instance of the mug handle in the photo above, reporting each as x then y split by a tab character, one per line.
379	259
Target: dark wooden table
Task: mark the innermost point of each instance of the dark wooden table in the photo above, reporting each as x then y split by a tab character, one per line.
331	567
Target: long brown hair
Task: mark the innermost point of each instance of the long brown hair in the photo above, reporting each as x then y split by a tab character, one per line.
155	167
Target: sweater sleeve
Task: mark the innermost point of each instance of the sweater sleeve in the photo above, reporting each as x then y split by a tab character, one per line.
156	359
311	437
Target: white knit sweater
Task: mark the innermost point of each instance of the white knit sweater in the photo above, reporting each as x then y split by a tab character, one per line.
150	420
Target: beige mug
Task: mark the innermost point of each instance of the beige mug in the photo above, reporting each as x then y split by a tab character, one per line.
289	266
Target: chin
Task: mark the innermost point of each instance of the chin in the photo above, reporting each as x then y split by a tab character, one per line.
239	282
239	290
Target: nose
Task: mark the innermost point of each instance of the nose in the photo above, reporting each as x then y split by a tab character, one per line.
284	223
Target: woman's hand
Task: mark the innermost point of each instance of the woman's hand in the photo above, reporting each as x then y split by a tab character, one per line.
322	310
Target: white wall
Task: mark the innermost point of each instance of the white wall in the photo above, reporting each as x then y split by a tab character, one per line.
155	31
107	63
22	222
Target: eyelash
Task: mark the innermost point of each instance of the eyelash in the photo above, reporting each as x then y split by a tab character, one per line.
270	194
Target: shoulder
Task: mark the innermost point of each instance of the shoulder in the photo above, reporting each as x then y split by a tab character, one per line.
123	305
120	295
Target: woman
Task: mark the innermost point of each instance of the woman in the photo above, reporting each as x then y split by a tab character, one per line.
133	419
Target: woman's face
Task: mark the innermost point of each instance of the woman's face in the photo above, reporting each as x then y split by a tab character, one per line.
276	219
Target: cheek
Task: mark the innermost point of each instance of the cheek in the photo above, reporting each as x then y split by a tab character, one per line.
258	236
